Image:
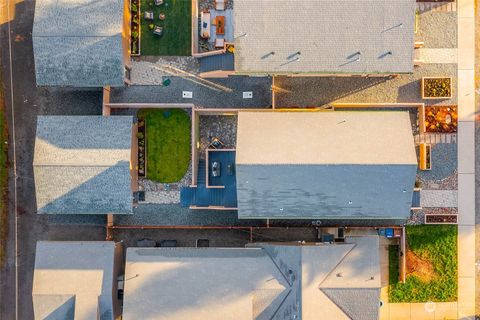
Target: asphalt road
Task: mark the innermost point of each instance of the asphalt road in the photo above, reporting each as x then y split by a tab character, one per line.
27	103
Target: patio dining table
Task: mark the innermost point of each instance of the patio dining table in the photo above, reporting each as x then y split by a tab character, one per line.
220	24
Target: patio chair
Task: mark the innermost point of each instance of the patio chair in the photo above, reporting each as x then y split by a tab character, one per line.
158	30
159	2
220	5
148	15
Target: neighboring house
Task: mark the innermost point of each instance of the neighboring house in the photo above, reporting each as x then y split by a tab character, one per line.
320	37
85	164
341	164
76	280
267	281
81	43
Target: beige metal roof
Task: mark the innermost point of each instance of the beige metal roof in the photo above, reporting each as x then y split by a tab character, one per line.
74	279
190	283
339	137
262	281
332	36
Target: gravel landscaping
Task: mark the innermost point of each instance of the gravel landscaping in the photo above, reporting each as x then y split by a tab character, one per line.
210	4
175	215
443	175
438	29
221	127
323	91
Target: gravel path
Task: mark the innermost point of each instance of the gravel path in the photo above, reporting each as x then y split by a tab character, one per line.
443	175
323	91
438	29
212	93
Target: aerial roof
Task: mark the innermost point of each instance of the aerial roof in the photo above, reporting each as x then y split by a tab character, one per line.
340	137
355	164
78	43
329	34
82	164
73	280
261	282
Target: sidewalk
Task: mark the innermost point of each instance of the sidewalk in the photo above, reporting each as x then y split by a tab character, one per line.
466	159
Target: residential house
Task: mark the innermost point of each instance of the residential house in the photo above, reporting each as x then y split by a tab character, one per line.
81	43
297	37
85	164
264	281
341	164
76	280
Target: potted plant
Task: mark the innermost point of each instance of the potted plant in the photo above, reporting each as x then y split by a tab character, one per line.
436	88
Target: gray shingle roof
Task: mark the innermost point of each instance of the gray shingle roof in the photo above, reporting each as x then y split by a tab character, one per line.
263	281
82	164
78	43
325	165
327	33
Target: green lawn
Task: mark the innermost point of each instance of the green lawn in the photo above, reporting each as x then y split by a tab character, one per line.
438	245
177	29
168	143
3	176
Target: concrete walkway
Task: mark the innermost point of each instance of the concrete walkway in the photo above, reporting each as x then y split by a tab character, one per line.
436	55
466	159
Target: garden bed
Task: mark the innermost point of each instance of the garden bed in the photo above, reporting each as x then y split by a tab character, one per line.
431	265
168	139
135	28
442	119
436	88
142	148
441	219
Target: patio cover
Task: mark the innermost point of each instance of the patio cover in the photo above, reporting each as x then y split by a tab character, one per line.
327	33
302	165
78	43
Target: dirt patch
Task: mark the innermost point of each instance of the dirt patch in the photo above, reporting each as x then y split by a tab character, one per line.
419	267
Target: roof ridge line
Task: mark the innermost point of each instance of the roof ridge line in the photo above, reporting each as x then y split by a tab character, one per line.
278	267
281	303
336	265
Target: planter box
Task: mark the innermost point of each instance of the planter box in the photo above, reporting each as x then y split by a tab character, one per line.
424	86
441	119
441	219
139	23
425	162
142	161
